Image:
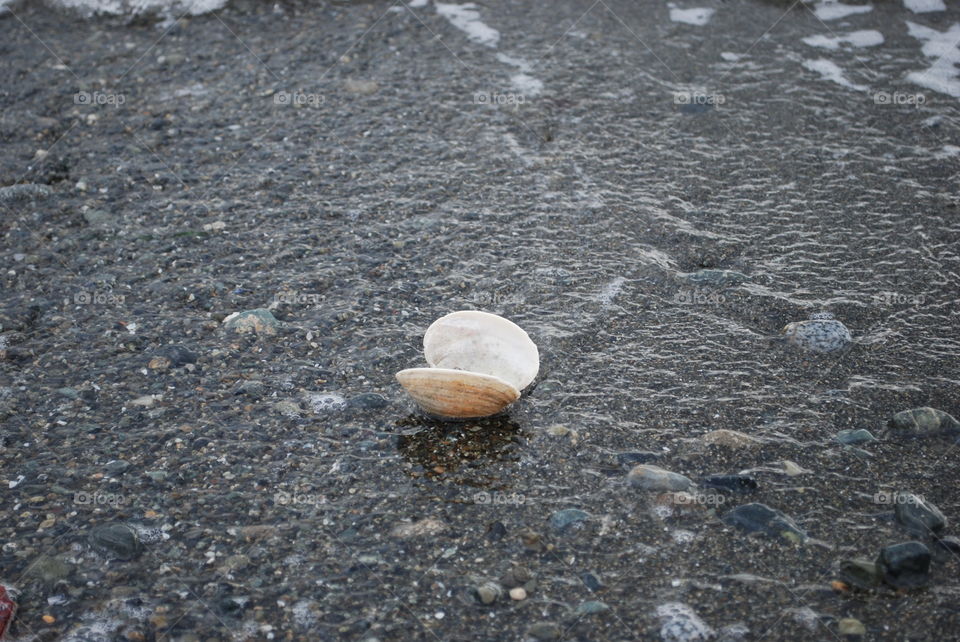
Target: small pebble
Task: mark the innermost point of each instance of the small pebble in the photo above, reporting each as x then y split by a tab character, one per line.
851	626
518	593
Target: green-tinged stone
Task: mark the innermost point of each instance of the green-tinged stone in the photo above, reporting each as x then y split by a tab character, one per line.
860	572
591	607
261	321
858	436
922	422
760	518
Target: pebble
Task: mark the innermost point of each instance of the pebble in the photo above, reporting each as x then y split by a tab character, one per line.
253	388
563	431
923	422
730	439
368	401
682	624
592	581
325	402
518	593
860	572
817	335
734	483
117	467
545	631
858	436
516	576
174	356
792	468
591	607
563	519
260	321
287	408
24	192
362	87
760	518
426	526
904	565
918	516
636	457
851	626
649	477
950	543
115	541
489	592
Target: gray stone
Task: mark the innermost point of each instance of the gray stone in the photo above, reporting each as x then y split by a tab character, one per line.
24	192
923	422
717	278
545	631
860	572
591	607
563	519
918	516
489	592
905	565
115	541
817	335
260	321
760	518
858	436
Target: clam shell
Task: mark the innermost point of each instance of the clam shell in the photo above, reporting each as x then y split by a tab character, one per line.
484	343
457	393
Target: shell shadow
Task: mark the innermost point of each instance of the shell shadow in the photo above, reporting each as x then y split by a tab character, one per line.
441	447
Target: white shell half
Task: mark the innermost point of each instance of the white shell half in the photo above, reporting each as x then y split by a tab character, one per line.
456	393
482	343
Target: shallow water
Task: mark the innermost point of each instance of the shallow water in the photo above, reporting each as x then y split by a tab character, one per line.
652	149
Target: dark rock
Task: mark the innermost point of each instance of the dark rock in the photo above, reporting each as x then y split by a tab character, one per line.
592	582
636	457
732	483
918	516
950	543
905	565
115	541
176	355
760	518
516	576
368	401
496	531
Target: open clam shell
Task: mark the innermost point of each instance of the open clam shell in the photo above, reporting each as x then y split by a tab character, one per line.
479	363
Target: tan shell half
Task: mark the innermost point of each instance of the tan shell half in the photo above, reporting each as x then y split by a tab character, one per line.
456	393
479	363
